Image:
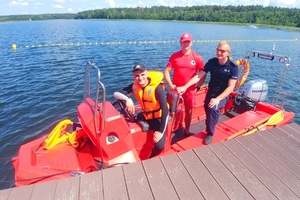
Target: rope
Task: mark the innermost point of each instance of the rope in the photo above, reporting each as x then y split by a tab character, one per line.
15	46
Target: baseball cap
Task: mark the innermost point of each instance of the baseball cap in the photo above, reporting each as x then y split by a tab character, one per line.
186	37
139	67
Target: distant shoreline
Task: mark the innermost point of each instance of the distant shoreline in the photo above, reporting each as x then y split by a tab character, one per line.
296	29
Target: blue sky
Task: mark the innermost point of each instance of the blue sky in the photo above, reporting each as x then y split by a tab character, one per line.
18	7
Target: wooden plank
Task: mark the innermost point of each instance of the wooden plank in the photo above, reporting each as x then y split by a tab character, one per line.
275	167
159	180
263	165
67	188
136	181
292	138
207	185
4	194
296	128
242	173
23	192
230	185
45	190
91	186
292	132
114	184
277	153
261	172
180	178
289	150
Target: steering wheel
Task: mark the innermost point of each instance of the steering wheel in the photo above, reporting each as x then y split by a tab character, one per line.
124	112
122	105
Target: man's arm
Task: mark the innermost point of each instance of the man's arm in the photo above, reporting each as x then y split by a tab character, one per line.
215	101
200	82
161	98
168	77
191	82
228	90
130	107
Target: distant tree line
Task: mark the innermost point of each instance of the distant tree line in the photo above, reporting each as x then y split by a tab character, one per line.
36	17
233	14
276	16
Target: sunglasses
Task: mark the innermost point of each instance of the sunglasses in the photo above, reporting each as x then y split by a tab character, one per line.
221	50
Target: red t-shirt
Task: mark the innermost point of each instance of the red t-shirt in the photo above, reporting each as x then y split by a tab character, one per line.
185	67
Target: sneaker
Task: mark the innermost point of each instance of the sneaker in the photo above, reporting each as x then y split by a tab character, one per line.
208	139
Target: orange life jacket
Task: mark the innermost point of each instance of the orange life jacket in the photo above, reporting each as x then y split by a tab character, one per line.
146	96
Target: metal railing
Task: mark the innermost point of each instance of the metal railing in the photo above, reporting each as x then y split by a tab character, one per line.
87	94
282	76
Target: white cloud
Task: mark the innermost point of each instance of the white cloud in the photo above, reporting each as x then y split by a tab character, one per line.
57	6
24	4
285	3
111	3
39	4
18	3
278	3
140	3
70	9
60	1
181	3
162	3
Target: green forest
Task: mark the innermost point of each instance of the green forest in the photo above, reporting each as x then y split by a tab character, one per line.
36	17
276	16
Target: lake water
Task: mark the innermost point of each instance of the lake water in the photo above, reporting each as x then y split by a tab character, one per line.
42	80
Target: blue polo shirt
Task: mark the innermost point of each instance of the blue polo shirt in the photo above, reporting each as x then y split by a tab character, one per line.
220	75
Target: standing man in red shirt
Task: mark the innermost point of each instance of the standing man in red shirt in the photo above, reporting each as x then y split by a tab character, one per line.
186	63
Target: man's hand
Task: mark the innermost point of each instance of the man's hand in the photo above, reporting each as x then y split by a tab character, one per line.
157	136
181	90
130	106
214	102
172	86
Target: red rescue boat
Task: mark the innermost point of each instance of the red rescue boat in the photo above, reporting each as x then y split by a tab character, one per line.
106	136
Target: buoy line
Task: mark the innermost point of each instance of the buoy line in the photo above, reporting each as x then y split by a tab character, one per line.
15	46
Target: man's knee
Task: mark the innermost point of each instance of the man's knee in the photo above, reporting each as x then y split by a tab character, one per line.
188	110
159	146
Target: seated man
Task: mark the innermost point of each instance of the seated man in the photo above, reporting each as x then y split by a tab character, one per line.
150	94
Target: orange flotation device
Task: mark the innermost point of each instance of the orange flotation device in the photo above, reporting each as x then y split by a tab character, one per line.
243	72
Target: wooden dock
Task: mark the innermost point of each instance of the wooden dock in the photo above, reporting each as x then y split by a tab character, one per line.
265	165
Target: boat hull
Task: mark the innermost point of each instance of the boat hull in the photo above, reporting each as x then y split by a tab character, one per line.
37	164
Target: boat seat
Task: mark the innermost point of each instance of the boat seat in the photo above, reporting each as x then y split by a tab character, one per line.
242	121
223	130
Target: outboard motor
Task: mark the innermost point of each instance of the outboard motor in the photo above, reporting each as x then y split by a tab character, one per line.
253	92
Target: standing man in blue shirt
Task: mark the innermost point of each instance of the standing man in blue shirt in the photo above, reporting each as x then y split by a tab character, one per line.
223	77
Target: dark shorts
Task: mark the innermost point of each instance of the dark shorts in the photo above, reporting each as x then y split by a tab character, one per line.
146	125
154	125
188	98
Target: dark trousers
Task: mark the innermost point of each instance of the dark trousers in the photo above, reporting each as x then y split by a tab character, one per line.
212	114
